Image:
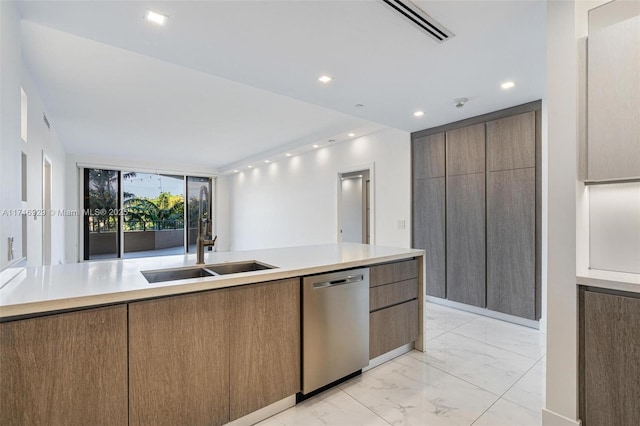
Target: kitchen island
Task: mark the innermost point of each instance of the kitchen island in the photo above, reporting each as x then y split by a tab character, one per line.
96	343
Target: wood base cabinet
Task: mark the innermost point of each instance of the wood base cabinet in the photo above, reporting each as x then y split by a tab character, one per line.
264	345
212	357
65	369
179	360
393	306
609	358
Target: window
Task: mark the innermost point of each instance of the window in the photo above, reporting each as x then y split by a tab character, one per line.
139	214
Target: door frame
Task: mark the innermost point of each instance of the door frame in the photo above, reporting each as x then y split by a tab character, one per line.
47	195
370	167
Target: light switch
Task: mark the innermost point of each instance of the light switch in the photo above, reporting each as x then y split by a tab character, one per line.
401	224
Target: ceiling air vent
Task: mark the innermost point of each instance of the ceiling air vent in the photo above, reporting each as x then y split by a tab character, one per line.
418	16
46	121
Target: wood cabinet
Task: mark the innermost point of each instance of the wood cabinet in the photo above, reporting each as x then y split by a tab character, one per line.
212	357
511	225
480	223
179	360
466	239
65	369
392	294
465	149
613	92
511	142
428	156
392	272
392	327
264	345
429	231
393	306
609	354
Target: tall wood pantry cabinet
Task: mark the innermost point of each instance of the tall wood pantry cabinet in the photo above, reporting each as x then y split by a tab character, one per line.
476	210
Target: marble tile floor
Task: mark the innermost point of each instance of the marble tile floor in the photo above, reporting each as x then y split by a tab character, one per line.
476	371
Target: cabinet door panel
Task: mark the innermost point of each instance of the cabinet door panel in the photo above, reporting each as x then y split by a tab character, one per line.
465	150
392	294
429	231
178	360
511	142
392	272
264	345
392	327
428	156
611	354
466	239
66	369
511	284
614	101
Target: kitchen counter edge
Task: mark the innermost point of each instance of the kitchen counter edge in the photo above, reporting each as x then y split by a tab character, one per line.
17	311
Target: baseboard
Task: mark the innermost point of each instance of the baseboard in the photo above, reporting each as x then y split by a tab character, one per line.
550	418
379	360
265	412
485	312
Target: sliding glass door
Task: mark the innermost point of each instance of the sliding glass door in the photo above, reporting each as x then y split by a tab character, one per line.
135	214
101	218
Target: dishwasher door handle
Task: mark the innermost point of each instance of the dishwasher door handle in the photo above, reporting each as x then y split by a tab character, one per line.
341	281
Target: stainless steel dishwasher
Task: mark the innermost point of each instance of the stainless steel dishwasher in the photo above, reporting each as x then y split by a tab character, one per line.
335	326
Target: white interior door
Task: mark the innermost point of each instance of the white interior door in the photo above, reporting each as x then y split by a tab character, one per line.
352	224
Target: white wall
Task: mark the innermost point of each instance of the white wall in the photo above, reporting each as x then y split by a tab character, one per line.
614	227
10	142
566	208
43	141
40	142
294	201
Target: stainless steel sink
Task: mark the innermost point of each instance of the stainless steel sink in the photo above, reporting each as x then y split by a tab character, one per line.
176	274
160	275
237	267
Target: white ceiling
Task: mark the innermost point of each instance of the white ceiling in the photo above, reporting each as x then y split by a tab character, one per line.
227	80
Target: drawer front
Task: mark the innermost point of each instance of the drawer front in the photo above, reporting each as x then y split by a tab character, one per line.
392	294
393	272
392	327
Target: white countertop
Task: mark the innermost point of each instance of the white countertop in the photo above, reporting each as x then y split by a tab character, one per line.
51	288
622	281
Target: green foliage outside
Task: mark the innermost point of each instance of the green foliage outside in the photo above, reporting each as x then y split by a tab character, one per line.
166	211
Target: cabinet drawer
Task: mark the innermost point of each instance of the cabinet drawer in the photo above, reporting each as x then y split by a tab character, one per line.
393	272
392	294
392	327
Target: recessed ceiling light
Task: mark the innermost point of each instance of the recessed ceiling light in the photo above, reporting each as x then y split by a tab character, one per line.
288	154
155	17
351	135
315	146
267	161
325	79
507	85
251	167
235	171
418	113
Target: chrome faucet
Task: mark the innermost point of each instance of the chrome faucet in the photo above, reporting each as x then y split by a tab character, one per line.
204	226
